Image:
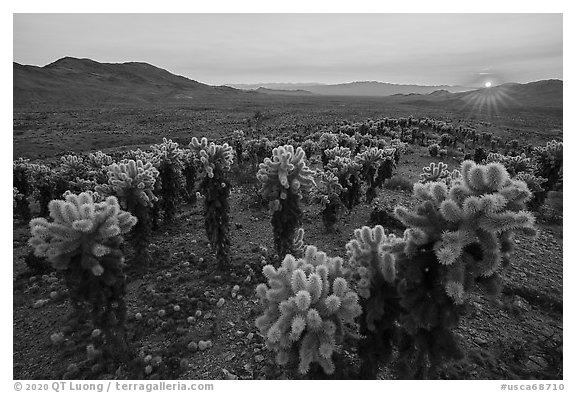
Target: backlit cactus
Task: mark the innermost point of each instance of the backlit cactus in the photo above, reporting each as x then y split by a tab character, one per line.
415	287
214	161
283	179
83	240
438	172
309	309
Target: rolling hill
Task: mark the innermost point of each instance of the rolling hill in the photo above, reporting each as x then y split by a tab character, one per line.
72	80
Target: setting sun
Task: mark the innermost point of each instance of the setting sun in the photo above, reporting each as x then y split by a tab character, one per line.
488	84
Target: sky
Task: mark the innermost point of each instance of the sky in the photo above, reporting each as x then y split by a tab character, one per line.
425	49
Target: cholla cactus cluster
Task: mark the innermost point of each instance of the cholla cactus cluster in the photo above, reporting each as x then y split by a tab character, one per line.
338	151
168	151
132	181
438	172
286	173
99	159
212	157
348	173
308	309
284	178
79	227
471	224
328	192
415	287
371	255
513	164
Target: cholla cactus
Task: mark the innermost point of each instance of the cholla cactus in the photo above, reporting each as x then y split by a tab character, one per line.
327	141
328	193
213	157
73	165
434	172
433	149
513	164
549	163
99	159
21	180
16	197
309	147
133	183
83	240
79	227
348	173
215	160
416	287
284	178
169	162
370	161
338	151
308	309
238	144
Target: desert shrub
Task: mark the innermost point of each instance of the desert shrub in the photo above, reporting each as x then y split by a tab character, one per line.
83	240
214	161
398	182
283	179
309	309
433	150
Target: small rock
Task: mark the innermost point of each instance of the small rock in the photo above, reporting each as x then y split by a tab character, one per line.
229	375
220	302
203	345
250	336
193	346
53	295
57	338
190	320
40	303
138	316
259	358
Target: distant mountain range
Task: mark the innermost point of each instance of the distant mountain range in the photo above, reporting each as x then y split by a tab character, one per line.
366	88
87	82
